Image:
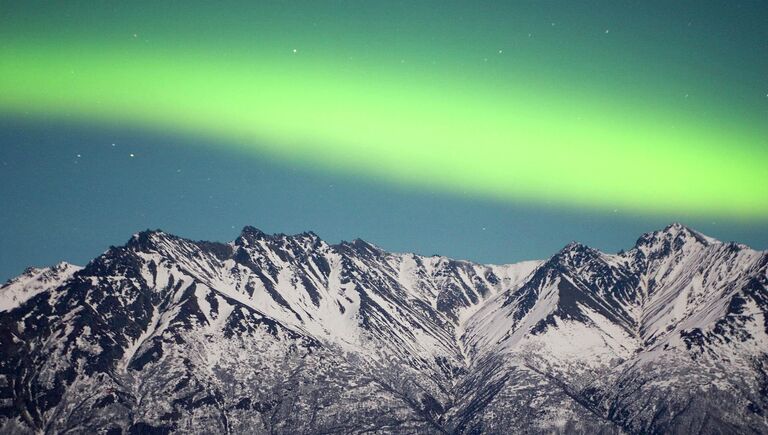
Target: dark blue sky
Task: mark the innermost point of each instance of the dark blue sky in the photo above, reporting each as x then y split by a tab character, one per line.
116	117
67	194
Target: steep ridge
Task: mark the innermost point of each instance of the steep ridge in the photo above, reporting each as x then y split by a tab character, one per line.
597	327
287	334
33	281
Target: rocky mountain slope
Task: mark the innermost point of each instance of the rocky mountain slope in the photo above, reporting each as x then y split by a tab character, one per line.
287	334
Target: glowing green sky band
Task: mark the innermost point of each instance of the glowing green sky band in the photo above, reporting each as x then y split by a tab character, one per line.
413	127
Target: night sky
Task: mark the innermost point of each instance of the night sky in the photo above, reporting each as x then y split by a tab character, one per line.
492	131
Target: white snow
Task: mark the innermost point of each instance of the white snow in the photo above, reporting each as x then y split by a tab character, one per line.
35	281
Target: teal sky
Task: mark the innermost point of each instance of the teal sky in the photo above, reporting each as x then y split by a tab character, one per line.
540	121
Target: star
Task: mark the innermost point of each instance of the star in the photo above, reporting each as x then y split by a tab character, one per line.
501	51
295	50
131	155
78	156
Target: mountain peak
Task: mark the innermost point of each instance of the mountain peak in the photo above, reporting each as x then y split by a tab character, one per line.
252	232
574	254
361	246
145	240
677	234
309	235
62	265
249	235
675	226
575	248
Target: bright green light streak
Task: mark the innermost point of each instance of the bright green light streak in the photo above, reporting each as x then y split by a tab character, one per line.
408	126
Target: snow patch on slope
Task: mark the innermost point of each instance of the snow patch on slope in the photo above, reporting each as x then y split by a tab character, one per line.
32	282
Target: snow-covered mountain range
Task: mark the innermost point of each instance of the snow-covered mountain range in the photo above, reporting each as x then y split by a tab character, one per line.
288	334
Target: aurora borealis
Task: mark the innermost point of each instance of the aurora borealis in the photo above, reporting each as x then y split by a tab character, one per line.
645	108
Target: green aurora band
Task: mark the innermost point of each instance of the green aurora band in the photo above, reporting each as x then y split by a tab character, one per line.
488	129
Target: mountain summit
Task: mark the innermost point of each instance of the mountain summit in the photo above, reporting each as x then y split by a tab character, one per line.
288	334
